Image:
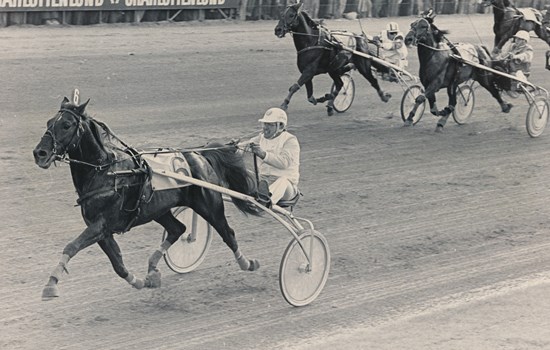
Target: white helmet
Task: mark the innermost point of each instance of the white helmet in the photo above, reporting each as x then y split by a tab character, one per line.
392	27
274	115
522	34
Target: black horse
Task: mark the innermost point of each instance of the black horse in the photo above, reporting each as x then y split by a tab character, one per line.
114	204
316	56
509	20
439	70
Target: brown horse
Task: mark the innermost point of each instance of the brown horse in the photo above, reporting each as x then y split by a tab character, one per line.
115	204
317	56
439	70
509	20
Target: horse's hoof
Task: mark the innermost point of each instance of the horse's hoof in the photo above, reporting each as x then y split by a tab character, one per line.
330	111
507	107
254	265
153	279
284	106
408	123
439	128
50	292
385	97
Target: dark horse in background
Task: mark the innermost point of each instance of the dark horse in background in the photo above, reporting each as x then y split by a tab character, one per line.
114	204
316	56
439	70
509	20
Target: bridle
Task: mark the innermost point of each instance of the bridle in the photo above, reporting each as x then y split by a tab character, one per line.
77	133
429	31
287	28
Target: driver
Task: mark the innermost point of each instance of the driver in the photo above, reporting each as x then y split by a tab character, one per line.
520	53
392	47
279	153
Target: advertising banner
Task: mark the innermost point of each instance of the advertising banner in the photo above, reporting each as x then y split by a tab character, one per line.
107	5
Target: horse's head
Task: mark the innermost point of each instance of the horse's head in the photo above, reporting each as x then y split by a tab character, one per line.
424	32
290	19
498	4
63	131
486	3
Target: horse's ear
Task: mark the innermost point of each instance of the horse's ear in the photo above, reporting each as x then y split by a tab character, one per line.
298	5
65	101
80	109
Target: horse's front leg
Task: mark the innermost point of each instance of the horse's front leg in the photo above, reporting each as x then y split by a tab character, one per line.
309	90
89	236
418	101
112	250
446	112
548	60
307	76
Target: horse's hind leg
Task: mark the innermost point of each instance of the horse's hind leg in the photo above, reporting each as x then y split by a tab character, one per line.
364	67
175	229
89	236
489	85
338	84
211	208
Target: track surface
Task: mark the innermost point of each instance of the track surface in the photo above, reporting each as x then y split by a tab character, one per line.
412	218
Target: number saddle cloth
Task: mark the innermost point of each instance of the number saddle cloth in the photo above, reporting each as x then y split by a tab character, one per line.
166	161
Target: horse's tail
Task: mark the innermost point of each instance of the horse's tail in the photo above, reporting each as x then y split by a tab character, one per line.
231	169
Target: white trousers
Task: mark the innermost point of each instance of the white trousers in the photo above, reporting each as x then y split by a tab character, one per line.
280	188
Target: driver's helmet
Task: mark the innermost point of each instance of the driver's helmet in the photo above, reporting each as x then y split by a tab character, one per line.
274	115
392	28
522	34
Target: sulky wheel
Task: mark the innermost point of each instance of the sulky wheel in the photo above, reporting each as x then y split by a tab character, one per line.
300	281
408	101
188	252
345	97
537	116
465	102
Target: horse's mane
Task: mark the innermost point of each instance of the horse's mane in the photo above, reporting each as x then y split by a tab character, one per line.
100	131
309	20
439	34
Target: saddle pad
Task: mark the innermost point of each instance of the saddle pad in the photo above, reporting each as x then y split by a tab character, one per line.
467	51
345	38
530	14
172	161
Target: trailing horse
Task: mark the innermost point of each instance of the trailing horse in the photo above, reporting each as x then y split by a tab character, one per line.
439	70
114	204
509	20
316	56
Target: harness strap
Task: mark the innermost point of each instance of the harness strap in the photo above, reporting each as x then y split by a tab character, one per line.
314	47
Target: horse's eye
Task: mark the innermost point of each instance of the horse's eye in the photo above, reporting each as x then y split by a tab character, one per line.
67	125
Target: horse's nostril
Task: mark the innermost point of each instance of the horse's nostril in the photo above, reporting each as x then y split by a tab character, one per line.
40	153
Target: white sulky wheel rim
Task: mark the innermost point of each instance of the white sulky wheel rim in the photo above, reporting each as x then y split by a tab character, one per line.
408	101
300	282
189	251
345	97
465	103
537	116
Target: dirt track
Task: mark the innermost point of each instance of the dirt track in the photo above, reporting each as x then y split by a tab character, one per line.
413	218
